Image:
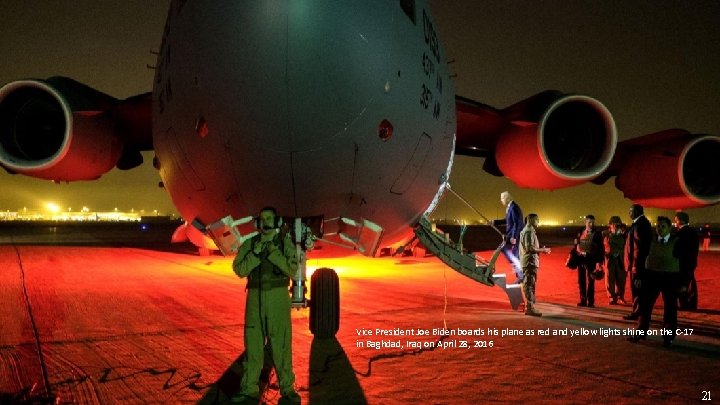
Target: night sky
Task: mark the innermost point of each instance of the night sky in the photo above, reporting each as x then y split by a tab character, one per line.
655	65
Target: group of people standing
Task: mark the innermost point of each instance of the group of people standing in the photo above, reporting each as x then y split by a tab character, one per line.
659	262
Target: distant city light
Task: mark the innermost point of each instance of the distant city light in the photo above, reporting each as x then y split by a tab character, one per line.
52	212
52	207
549	222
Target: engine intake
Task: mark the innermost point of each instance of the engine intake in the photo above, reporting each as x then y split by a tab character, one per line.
676	171
556	141
57	129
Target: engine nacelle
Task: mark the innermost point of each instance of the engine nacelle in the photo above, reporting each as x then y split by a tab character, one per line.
57	129
682	172
556	141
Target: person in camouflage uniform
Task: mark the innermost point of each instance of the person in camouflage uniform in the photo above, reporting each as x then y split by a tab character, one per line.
268	260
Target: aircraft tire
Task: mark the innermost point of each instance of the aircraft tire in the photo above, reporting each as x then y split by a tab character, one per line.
324	303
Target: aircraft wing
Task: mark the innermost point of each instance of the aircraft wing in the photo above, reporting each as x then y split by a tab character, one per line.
62	130
554	140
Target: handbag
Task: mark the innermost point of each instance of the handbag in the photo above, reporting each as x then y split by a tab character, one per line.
573	259
598	273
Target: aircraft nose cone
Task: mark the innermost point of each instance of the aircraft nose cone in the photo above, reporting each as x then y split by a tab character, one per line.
337	66
293	75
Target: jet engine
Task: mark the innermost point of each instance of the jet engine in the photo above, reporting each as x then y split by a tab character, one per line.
548	141
57	129
556	142
670	169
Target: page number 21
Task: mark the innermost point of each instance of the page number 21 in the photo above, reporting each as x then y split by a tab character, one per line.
706	396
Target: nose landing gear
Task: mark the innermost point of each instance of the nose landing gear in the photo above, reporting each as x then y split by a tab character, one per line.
324	303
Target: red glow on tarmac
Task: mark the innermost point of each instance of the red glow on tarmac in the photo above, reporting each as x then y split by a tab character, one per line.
355	266
133	325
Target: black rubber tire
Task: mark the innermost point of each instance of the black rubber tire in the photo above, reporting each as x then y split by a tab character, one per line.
324	303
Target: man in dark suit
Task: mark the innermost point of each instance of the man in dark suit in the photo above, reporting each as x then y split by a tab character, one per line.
513	225
637	247
686	250
589	246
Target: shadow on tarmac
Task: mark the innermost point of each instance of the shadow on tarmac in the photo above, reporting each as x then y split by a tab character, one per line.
332	378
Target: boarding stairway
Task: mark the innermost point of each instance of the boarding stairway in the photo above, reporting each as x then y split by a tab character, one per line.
466	264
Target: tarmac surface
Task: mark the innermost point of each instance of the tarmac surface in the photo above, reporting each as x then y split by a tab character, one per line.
116	323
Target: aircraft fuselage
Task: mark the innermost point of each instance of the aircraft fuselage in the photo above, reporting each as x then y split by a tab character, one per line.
314	107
